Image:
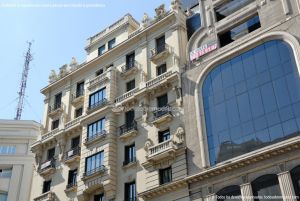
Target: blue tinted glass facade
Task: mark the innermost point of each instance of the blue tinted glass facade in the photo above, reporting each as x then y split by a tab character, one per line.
251	101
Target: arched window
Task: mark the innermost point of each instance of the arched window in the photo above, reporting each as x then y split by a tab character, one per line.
232	193
251	101
265	187
295	174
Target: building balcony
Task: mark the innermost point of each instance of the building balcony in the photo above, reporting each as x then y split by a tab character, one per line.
73	123
93	173
98	136
129	69
48	196
160	53
97	106
129	163
55	109
128	130
73	155
164	80
50	134
100	79
126	97
77	98
162	115
162	151
47	167
71	187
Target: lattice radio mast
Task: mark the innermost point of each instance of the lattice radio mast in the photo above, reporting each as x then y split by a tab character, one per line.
28	59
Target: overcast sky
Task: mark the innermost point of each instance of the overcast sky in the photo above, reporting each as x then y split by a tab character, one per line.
59	31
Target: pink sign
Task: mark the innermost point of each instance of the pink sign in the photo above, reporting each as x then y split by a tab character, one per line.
195	54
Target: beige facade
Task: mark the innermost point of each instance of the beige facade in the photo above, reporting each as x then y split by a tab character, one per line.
16	159
132	90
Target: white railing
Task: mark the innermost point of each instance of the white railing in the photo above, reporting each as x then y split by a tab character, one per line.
126	95
161	147
158	79
51	133
98	79
49	196
73	122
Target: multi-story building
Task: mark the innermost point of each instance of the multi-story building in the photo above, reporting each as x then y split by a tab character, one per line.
113	125
16	159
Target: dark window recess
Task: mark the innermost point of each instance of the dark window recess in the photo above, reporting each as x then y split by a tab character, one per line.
161	69
75	142
55	124
57	101
241	30
229	7
266	185
162	101
78	112
130	85
130	192
164	135
160	44
295	174
130	58
229	193
50	153
111	43
79	89
99	72
165	175
72	178
193	23
129	117
130	154
46	186
101	50
97	98
99	197
94	163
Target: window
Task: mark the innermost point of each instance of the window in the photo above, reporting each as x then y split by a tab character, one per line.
79	89
72	178
55	124
94	163
130	154
3	196
46	186
50	154
229	193
130	191
251	101
229	7
111	43
161	69
78	112
163	135
101	50
193	23
295	175
266	185
130	85
129	117
99	72
97	98
99	197
96	128
237	32
162	101
130	59
160	44
7	149
75	142
5	173
57	101
165	175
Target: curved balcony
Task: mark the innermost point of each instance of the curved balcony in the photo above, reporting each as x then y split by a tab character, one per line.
128	130
97	106
73	155
162	115
160	53
47	167
95	137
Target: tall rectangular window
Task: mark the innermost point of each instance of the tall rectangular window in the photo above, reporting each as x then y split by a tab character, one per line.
78	112
111	43
97	98
238	31
72	179
129	117
130	59
165	175
75	142
130	191
51	153
161	69
96	128
46	186
99	197
164	135
101	50
160	44
79	89
55	124
94	163
57	100
130	85
130	155
162	101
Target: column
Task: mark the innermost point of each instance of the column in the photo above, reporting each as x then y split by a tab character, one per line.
286	186
14	185
246	192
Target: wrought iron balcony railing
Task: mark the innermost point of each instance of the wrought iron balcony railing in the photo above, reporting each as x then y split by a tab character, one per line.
71	185
94	136
77	94
159	49
99	104
72	153
162	111
54	107
47	165
128	127
128	66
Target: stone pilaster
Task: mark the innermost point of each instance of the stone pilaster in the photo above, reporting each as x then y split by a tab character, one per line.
246	192
286	186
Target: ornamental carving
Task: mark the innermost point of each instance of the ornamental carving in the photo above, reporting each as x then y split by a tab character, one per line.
179	135
160	11
175	4
149	143
52	76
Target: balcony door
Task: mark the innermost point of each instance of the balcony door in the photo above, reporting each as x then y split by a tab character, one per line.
130	154
130	60
130	191
162	101
51	153
160	44
79	89
57	100
163	136
129	117
75	142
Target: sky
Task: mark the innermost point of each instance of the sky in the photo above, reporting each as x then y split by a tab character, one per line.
58	29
